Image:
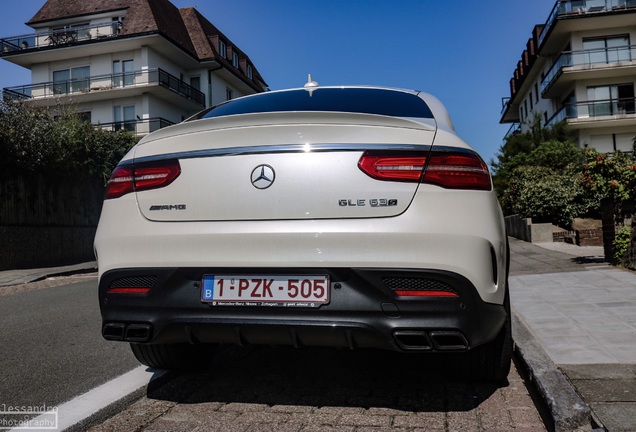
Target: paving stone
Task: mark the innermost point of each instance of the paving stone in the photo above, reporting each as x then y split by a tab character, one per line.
617	417
364	420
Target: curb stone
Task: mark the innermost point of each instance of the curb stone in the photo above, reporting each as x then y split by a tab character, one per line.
568	410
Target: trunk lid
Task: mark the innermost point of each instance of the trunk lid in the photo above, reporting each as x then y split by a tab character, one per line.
279	166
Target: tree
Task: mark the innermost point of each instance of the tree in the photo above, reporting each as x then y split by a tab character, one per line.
610	178
544	183
32	140
513	153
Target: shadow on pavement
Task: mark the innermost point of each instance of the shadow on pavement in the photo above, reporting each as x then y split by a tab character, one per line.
327	378
589	260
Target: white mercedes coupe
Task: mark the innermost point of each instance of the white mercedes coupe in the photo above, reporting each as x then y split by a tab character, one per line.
349	217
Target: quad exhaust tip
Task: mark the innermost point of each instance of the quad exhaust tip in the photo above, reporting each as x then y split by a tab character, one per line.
421	340
127	332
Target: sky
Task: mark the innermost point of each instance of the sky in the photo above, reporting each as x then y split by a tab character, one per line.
464	52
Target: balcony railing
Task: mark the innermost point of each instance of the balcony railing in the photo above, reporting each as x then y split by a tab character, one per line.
583	7
504	104
106	82
59	37
587	59
138	127
514	128
595	109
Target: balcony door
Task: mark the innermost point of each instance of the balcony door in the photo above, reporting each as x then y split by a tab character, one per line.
125	118
607	50
611	100
71	80
123	73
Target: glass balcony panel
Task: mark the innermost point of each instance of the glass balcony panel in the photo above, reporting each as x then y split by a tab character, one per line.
60	36
77	80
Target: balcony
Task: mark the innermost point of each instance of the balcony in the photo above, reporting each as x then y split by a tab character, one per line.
101	87
597	113
596	63
573	8
137	127
58	37
514	128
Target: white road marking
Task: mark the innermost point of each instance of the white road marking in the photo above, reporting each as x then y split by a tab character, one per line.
87	404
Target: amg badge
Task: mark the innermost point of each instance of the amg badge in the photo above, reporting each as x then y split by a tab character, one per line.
167	207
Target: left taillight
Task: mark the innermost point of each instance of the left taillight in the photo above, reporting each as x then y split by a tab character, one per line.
140	177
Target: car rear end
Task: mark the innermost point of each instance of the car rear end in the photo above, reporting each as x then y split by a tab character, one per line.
367	225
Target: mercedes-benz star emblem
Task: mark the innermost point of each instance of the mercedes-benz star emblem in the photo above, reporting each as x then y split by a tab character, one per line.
263	176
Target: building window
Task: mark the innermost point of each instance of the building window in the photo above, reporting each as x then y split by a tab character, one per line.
117	24
610	100
536	92
228	94
125	118
605	50
235	60
249	72
195	82
222	49
84	116
123	73
531	103
71	80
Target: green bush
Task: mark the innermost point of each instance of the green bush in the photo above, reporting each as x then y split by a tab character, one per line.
33	139
545	195
621	244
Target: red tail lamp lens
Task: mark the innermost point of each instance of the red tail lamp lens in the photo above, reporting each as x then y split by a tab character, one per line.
450	170
128	290
126	179
457	171
120	182
394	168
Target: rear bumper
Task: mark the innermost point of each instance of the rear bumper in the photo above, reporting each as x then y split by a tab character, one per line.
363	312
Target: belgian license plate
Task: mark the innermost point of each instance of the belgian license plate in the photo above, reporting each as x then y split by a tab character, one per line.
286	291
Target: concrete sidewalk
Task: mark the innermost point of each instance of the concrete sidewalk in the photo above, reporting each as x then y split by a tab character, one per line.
582	313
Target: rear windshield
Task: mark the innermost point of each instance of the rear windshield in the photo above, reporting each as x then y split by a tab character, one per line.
351	100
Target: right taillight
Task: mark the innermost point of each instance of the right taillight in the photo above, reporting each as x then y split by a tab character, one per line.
448	169
129	178
457	171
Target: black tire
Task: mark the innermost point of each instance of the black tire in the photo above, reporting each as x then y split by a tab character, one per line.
173	357
491	362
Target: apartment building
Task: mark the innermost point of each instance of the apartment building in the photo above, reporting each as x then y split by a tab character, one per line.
133	64
580	66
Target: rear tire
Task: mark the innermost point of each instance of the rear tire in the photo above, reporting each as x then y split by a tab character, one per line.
174	357
491	362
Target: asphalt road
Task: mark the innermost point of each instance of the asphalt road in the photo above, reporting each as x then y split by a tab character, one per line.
51	348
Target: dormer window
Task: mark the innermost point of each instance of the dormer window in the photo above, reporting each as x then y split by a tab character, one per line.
222	49
249	71
235	60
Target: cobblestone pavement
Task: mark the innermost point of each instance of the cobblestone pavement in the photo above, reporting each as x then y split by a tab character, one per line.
248	389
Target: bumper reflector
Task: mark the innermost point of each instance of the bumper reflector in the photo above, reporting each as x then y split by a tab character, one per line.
128	290
424	293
